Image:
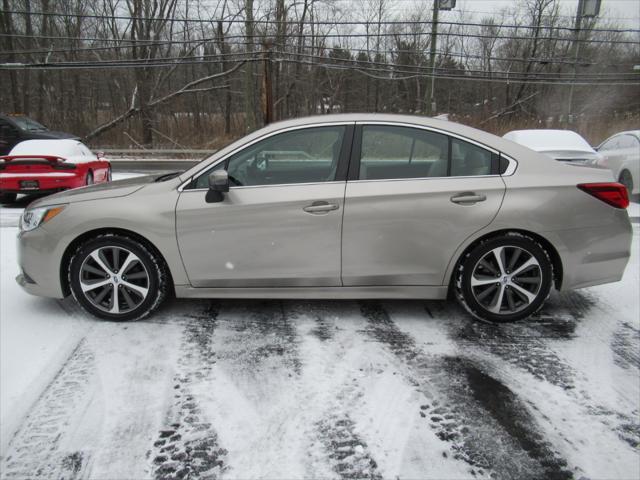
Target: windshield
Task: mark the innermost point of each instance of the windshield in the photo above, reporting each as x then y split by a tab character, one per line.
25	123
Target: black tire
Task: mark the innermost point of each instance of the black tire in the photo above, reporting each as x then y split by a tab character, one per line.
157	280
471	262
627	180
8	197
89	178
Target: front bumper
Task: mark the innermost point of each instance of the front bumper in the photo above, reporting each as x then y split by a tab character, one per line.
39	261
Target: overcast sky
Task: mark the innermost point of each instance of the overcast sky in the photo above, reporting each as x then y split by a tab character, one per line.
625	11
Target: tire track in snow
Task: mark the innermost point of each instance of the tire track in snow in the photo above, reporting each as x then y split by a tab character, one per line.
187	446
36	449
525	344
347	452
482	420
626	346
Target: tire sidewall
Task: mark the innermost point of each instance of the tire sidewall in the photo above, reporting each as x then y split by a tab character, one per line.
463	282
147	259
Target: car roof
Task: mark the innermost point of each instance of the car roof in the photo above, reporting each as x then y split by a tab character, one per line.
547	140
55	147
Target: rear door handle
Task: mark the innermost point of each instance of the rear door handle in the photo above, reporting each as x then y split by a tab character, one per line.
320	207
468	197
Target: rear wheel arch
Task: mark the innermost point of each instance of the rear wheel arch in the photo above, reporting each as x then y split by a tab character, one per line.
546	244
73	246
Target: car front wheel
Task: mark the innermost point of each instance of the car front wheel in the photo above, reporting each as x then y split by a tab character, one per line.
116	277
504	279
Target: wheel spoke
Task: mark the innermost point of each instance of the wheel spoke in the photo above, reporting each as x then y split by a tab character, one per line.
94	270
496	305
128	299
141	290
498	253
96	258
127	262
116	258
486	292
532	262
530	297
102	294
510	300
136	276
514	259
529	280
482	280
115	301
86	287
489	267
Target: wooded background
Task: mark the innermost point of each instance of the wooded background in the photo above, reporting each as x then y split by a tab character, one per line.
196	74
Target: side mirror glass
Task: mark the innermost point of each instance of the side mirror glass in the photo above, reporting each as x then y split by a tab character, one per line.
218	184
219	181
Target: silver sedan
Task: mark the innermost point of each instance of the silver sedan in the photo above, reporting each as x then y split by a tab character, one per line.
337	206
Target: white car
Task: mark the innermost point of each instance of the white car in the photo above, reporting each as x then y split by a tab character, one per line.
620	153
561	145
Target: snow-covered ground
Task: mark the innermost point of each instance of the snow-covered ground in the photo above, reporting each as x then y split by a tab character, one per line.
319	389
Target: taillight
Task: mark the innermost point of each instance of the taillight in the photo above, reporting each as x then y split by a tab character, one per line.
64	166
614	194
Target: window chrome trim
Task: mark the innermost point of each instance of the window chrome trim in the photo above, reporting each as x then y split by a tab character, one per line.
421	178
241	187
364	123
513	165
253	142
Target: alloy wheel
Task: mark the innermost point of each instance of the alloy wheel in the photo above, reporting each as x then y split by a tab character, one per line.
506	280
114	279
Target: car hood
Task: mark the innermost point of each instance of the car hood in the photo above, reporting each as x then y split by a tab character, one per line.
119	188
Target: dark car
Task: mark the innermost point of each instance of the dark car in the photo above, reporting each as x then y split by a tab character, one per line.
16	128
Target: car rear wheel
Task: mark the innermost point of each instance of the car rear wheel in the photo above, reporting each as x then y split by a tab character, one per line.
89	178
504	279
8	197
117	278
626	180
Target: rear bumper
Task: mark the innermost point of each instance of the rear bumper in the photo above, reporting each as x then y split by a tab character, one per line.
594	255
50	183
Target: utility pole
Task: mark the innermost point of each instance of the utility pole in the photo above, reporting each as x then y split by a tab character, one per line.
586	9
429	94
431	81
267	89
576	48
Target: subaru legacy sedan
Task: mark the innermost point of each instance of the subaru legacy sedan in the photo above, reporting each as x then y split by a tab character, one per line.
339	206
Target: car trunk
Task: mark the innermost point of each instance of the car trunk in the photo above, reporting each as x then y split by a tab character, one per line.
29	169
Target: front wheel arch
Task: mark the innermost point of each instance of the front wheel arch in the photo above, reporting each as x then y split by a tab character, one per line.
556	261
73	246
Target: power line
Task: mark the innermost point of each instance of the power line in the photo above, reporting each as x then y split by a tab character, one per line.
353	35
541	60
315	22
386	69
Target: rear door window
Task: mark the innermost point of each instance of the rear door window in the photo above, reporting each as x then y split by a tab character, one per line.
390	152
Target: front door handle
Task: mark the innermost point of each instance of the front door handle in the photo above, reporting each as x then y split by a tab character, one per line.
468	197
320	207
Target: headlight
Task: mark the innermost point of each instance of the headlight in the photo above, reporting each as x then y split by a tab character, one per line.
34	217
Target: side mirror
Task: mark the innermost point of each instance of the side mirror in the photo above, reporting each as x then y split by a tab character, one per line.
219	181
218	184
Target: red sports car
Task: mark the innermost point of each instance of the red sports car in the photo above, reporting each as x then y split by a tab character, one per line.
47	166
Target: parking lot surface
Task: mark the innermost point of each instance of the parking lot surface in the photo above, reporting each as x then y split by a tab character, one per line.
320	389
